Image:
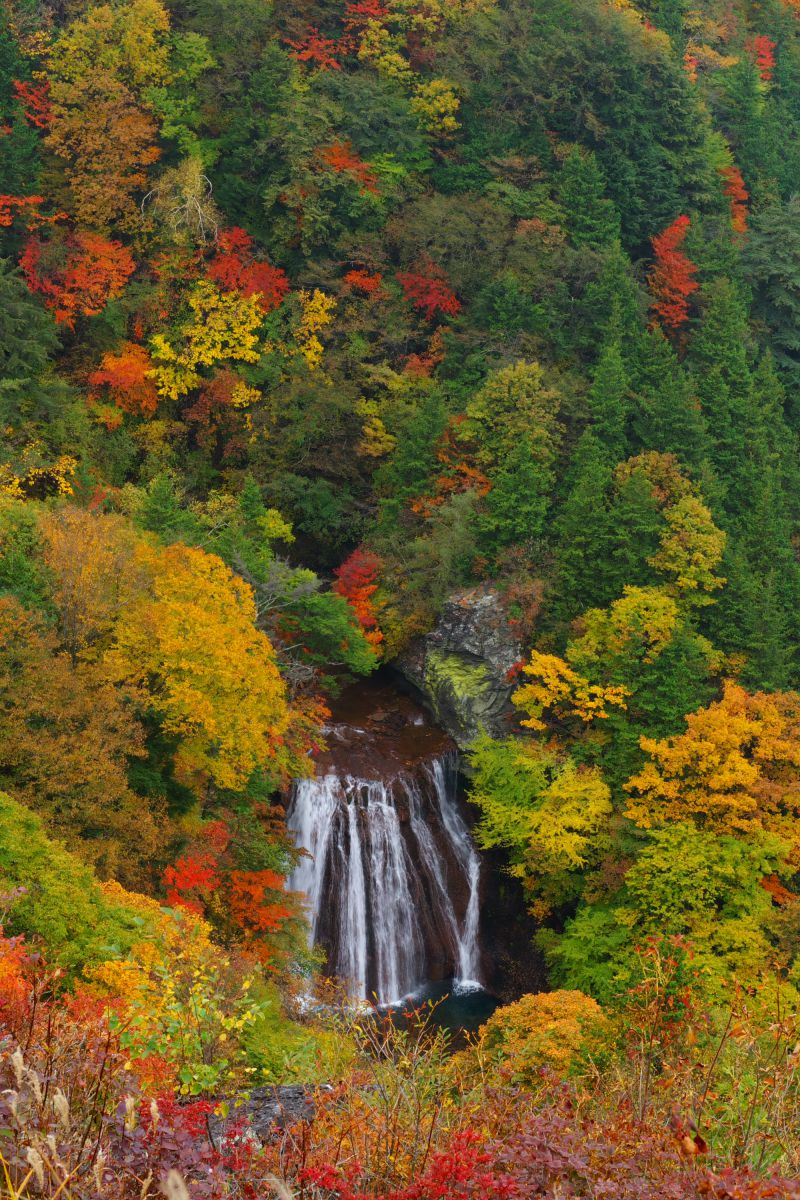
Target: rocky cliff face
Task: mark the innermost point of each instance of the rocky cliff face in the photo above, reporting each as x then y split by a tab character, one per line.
462	666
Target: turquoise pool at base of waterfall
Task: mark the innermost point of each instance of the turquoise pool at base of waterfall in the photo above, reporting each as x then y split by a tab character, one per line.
459	1012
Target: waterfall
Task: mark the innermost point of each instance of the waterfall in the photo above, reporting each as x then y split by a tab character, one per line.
391	878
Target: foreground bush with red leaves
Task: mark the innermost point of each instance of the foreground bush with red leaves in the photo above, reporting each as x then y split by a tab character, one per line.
80	1120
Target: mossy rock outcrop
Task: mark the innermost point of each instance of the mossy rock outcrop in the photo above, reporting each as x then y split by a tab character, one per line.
462	666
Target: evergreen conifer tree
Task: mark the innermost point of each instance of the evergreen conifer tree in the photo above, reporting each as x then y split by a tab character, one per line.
608	402
592	219
584	531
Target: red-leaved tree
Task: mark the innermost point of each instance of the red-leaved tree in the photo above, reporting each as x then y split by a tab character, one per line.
762	51
235	268
318	51
192	879
671	279
360	280
356	580
342	159
429	291
77	277
34	99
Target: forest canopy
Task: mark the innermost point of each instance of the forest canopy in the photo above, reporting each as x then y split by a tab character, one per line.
313	315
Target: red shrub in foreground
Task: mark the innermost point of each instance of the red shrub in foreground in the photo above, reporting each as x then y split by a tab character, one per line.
462	1172
559	1153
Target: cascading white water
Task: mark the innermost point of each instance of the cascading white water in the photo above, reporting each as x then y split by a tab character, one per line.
385	859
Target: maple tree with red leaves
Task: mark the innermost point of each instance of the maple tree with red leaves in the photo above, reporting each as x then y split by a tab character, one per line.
762	51
360	13
78	277
314	48
738	196
260	907
26	208
356	580
671	279
35	101
191	880
126	376
341	158
364	281
235	268
429	291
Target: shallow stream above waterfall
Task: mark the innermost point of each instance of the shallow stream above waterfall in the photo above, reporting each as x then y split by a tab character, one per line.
392	877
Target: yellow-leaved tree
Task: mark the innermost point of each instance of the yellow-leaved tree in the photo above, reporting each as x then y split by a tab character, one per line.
547	1030
558	689
548	812
735	769
690	551
224	327
191	640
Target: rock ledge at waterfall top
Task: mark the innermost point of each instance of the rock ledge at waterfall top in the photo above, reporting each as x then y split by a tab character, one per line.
377	732
462	666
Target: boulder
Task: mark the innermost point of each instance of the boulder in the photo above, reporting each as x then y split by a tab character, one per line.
463	666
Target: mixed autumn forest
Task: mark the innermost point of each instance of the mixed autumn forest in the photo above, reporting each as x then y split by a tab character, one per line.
315	314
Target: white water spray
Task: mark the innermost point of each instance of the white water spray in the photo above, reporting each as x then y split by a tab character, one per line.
385	859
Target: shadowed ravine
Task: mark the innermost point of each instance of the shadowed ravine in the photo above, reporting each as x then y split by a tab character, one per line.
392	876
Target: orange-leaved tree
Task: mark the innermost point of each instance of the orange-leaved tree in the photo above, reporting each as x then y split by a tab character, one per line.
126	376
77	276
671	280
95	570
738	196
66	738
102	67
342	159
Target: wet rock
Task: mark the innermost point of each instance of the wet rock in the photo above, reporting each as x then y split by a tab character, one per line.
462	666
263	1113
378	732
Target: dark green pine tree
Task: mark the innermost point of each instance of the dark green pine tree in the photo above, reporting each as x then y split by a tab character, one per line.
592	219
29	392
252	508
758	613
516	506
583	532
19	146
161	512
741	104
774	433
636	523
750	619
772	263
409	471
613	308
667	416
724	386
775	622
609	403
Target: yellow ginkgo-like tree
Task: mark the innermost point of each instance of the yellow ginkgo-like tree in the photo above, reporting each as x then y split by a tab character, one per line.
211	675
735	769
